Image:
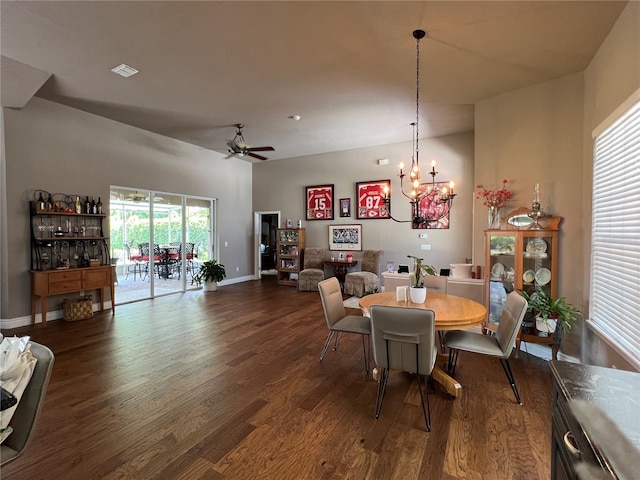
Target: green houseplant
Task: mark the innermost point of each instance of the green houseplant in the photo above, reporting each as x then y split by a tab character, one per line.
418	270
417	290
550	312
210	273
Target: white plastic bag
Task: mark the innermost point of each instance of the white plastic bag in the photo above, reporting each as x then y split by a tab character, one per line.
10	350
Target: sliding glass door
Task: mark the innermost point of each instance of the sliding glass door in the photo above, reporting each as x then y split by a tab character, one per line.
159	240
167	239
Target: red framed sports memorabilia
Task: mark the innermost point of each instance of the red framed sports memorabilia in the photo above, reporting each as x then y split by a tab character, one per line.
319	202
370	199
431	207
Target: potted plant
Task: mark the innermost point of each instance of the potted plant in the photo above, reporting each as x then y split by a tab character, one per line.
550	313
417	290
210	273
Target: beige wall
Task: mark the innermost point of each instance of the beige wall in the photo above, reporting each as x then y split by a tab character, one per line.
60	149
280	185
534	135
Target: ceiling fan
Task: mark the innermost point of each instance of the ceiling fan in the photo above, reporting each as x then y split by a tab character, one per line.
239	147
136	197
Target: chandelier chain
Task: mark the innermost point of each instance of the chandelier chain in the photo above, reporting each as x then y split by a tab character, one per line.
430	203
417	102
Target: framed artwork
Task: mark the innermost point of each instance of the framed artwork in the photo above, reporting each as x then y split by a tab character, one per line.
319	202
370	198
345	207
430	207
345	237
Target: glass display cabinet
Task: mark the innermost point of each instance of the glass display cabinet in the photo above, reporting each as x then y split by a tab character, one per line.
519	257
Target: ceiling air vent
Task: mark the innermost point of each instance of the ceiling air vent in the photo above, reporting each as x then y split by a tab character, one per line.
124	70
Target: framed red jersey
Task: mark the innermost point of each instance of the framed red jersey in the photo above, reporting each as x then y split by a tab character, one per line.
370	199
319	202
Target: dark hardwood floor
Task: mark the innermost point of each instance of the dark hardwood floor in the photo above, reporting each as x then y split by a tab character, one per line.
228	385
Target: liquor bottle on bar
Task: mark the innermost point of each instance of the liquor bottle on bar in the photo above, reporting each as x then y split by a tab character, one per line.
87	205
99	206
49	206
94	207
78	205
41	204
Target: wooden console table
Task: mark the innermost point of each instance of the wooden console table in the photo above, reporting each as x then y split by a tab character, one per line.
56	282
340	268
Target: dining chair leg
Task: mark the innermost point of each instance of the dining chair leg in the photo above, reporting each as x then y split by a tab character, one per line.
326	344
507	370
443	349
146	271
382	386
453	360
366	352
425	413
338	337
432	383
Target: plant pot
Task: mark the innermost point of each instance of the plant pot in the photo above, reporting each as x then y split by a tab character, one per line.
546	327
418	294
209	286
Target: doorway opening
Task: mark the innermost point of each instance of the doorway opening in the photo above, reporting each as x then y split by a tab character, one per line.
266	232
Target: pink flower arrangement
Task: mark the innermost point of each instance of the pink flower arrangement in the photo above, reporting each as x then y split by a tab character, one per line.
494	198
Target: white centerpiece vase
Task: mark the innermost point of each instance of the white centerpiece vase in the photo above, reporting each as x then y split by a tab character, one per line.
418	294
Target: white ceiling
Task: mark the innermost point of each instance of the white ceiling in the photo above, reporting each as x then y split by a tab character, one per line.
347	68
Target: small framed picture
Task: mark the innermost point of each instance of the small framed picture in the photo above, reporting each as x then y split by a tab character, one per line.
345	237
345	207
370	199
319	202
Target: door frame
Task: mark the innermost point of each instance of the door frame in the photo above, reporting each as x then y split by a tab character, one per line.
257	234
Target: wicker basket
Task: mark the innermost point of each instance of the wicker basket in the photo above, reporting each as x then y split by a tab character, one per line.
77	309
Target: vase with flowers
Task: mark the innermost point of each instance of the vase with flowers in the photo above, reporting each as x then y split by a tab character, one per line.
495	200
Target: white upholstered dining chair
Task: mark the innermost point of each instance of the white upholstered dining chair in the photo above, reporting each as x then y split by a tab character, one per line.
404	339
339	322
499	346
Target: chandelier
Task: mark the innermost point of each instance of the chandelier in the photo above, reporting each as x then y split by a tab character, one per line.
429	202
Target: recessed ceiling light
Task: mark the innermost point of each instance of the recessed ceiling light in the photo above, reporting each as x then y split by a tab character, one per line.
124	70
295	117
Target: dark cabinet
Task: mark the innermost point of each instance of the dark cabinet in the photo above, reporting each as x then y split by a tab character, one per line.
614	392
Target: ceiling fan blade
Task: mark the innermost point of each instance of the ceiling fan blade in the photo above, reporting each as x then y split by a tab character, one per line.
255	155
261	149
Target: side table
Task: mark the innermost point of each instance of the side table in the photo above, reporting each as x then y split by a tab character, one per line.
340	268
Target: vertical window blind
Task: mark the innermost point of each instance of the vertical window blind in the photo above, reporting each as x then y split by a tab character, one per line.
615	247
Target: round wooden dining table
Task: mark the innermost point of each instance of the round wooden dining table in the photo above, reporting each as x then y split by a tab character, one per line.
451	313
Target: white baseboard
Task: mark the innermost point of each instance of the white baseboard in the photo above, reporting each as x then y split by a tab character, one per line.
9	323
